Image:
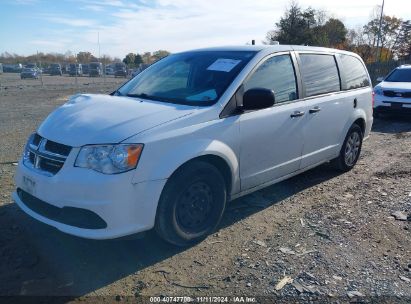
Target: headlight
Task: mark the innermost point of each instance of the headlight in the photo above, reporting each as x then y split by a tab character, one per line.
378	91
109	159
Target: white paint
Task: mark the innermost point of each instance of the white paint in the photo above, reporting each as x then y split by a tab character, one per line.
260	148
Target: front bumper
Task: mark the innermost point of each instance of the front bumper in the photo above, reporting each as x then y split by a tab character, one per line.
126	208
392	110
28	76
392	105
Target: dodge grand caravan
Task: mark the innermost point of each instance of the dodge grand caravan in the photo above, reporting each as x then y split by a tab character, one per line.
169	148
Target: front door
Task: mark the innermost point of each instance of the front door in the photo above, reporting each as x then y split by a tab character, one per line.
272	139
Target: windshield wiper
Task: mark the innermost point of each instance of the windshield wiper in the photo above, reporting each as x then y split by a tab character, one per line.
145	96
142	95
116	93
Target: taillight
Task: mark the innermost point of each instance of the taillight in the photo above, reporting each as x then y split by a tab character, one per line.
373	99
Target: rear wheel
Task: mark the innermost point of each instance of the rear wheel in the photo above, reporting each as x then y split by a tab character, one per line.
350	150
192	204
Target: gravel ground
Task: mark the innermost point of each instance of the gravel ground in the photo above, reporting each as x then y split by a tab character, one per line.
326	236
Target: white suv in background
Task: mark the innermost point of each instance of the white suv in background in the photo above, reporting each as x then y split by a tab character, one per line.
393	93
173	145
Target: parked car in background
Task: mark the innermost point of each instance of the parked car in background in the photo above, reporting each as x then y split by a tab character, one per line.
12	68
66	69
169	148
55	69
120	69
75	69
31	66
138	70
135	72
86	69
393	93
96	69
29	73
109	70
1	68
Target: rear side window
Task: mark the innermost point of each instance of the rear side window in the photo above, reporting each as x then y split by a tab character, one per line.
277	74
354	72
319	73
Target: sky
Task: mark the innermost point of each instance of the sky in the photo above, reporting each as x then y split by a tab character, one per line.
123	26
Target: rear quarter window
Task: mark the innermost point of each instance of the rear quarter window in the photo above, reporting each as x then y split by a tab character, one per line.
354	72
319	74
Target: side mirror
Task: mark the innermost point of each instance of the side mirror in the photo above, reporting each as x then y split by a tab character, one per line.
258	98
379	79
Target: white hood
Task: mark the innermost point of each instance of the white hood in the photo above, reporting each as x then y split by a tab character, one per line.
102	119
395	86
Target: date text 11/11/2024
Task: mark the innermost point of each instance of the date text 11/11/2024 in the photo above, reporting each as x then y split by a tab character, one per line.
205	299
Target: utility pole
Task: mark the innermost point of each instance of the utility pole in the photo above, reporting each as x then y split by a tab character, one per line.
98	42
40	70
76	66
378	56
99	58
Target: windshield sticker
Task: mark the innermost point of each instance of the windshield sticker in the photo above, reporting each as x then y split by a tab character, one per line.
223	65
203	96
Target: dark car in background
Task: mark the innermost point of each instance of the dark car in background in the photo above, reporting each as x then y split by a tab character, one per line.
95	69
29	73
12	68
138	70
75	69
120	70
86	69
109	70
31	66
55	69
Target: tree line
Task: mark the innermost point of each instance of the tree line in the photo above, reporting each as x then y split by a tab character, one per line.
132	60
313	27
297	26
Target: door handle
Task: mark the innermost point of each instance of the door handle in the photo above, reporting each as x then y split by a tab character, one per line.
297	114
314	110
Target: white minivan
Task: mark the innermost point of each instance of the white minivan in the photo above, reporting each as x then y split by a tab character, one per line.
169	148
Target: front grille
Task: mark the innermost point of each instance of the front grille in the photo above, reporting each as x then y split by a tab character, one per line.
389	93
57	148
77	217
44	155
36	139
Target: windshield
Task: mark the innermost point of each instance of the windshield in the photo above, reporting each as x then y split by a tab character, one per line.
193	78
399	75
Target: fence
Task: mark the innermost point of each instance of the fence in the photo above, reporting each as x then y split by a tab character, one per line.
381	69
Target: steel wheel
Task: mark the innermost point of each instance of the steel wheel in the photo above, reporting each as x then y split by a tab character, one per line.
194	206
192	203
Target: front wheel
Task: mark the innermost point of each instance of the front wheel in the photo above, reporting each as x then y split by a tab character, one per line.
192	204
350	150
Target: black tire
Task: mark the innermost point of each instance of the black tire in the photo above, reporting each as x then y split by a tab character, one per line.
192	204
352	143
